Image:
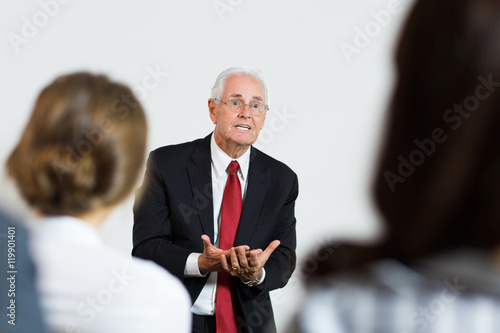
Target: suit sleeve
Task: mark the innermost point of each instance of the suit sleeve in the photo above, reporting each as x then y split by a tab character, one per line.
281	263
152	234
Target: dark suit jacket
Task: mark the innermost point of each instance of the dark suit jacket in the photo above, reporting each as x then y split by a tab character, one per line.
174	208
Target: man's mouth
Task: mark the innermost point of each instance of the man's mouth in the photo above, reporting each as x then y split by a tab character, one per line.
243	127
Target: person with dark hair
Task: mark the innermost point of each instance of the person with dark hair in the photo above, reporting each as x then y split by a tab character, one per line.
219	214
437	186
78	158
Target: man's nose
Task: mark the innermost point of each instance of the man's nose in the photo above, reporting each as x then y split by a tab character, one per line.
245	112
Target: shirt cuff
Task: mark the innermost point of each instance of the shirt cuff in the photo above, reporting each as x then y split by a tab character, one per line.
191	269
261	280
263	277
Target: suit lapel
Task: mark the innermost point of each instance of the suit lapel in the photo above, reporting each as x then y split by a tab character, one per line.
258	180
200	177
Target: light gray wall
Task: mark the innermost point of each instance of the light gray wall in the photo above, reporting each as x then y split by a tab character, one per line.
328	65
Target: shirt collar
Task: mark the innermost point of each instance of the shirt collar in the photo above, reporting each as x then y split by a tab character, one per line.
67	229
221	160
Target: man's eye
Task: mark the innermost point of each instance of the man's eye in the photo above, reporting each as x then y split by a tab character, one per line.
235	103
255	105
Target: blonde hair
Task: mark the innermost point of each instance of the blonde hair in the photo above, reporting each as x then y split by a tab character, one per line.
82	148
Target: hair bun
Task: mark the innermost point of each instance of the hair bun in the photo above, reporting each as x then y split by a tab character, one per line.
83	147
63	176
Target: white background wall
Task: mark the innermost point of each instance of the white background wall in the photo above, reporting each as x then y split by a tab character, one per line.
326	106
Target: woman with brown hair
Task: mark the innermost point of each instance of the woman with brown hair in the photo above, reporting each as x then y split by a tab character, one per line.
78	158
437	187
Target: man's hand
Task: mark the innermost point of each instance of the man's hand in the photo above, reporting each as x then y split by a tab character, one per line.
247	265
210	259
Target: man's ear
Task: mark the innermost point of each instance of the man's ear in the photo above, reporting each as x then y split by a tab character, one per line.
212	110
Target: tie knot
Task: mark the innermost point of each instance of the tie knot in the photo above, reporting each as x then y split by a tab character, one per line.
233	167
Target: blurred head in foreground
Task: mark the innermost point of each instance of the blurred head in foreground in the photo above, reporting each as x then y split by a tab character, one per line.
438	180
437	183
77	159
437	187
83	146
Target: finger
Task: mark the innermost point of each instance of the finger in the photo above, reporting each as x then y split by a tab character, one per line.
227	253
242	257
225	265
227	259
244	248
257	251
206	241
234	260
253	257
270	249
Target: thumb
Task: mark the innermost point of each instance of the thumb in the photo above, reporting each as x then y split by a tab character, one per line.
270	249
206	242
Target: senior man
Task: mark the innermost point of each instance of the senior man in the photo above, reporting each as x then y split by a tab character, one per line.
219	214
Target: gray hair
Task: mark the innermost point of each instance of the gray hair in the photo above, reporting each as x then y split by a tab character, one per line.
220	82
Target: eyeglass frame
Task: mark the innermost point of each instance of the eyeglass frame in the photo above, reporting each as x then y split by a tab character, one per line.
243	107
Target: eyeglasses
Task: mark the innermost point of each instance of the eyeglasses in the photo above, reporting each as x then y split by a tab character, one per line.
235	105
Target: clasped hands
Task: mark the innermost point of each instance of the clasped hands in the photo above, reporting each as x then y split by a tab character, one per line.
238	261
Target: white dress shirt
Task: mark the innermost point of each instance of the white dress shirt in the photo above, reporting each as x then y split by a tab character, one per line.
455	292
205	303
86	287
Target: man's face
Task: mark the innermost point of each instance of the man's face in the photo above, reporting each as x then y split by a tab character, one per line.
235	130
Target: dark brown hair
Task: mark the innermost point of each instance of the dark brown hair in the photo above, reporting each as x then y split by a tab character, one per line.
437	183
82	148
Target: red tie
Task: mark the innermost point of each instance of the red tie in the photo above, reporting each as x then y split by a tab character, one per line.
230	216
